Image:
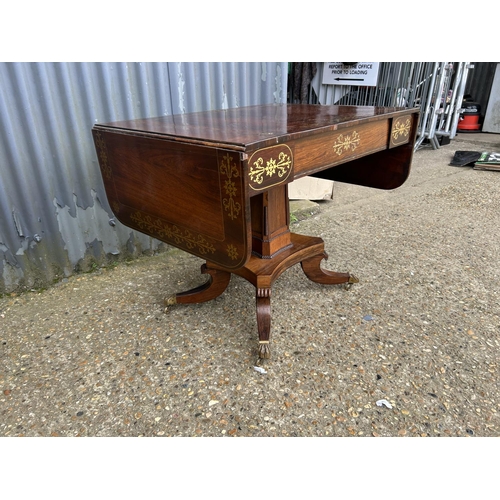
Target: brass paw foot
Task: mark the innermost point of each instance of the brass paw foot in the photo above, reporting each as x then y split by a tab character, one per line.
169	301
264	349
352	279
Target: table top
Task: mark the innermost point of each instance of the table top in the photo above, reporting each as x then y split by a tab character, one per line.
188	179
254	126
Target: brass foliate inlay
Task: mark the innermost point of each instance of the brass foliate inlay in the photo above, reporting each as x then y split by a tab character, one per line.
232	252
164	231
345	143
401	129
228	169
115	206
103	156
270	166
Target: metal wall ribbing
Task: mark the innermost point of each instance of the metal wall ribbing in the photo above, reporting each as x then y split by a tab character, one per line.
54	216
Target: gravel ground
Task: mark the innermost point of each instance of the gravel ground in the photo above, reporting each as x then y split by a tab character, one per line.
97	355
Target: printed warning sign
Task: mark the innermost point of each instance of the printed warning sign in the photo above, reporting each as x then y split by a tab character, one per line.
359	73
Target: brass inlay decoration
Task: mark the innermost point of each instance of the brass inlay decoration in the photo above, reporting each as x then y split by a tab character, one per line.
103	156
346	143
115	207
232	252
163	230
228	168
401	129
270	166
279	166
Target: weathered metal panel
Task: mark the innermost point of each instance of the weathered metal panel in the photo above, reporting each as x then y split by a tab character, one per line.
54	215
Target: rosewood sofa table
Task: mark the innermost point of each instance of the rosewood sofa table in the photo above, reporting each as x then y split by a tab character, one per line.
215	184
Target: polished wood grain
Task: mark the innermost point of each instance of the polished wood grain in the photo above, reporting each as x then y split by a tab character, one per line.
255	127
215	184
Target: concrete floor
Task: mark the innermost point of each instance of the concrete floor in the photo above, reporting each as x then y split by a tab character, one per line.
411	350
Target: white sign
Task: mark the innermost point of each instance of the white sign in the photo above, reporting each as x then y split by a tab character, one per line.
360	73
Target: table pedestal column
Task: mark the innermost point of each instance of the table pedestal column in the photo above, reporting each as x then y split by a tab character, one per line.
274	250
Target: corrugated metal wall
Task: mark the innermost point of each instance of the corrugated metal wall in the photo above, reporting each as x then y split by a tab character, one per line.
54	216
